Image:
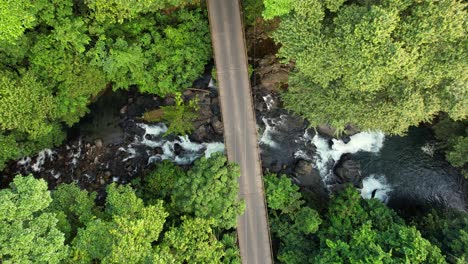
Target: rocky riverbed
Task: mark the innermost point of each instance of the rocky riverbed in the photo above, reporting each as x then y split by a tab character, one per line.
113	144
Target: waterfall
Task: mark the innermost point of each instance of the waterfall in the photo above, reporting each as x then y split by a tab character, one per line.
41	158
375	187
212	84
269	101
327	156
266	136
212	148
152	138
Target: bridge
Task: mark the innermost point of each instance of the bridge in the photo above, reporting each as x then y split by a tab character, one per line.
240	129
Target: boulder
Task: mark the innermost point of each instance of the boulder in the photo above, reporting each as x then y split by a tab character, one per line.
178	149
259	106
98	143
200	133
303	168
326	130
346	139
348	171
217	125
169	100
273	81
123	110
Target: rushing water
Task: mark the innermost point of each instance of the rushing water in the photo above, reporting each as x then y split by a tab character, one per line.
401	171
414	175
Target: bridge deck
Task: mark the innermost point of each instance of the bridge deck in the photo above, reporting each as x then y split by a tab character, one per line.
240	132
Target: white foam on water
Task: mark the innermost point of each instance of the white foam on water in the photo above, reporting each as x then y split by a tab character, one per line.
76	155
153	130
185	160
55	174
376	186
24	161
190	150
300	154
428	149
41	158
168	151
211	84
130	151
266	137
214	147
364	141
188	145
269	101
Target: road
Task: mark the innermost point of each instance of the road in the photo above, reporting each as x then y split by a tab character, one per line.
240	131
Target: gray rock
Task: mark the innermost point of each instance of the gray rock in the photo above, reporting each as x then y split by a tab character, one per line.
348	171
217	125
123	110
273	81
308	176
200	133
187	93
326	130
259	106
169	100
303	168
98	143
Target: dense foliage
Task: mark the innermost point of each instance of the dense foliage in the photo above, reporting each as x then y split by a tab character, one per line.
352	230
454	138
179	116
209	190
448	230
56	56
382	65
189	226
28	233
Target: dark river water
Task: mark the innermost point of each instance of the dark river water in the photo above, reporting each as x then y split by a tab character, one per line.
415	175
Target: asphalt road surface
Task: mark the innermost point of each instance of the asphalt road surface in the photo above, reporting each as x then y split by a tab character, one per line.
240	132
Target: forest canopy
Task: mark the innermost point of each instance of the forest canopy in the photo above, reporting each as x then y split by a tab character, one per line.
57	56
382	65
355	230
164	218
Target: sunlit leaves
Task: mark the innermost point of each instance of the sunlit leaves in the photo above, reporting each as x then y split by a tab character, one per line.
379	65
209	190
28	233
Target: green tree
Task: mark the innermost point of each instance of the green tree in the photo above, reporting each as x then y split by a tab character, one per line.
231	251
160	53
51	72
448	230
458	155
180	116
15	17
73	207
453	136
124	234
193	242
117	11
209	191
352	230
28	233
290	223
281	194
366	230
161	182
382	65
275	8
